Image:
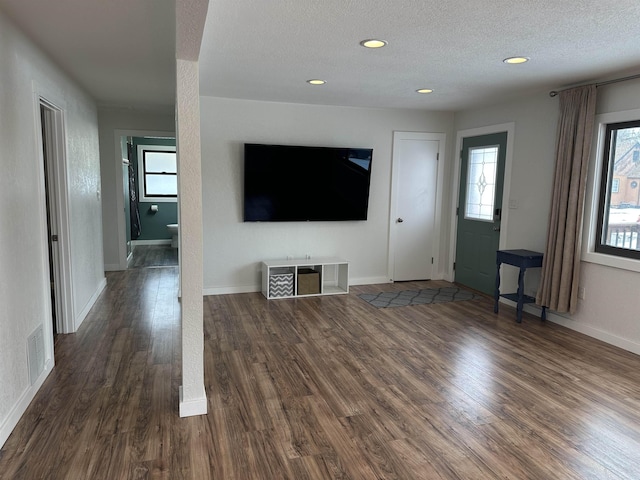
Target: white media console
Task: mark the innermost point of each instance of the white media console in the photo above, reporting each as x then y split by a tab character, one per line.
284	278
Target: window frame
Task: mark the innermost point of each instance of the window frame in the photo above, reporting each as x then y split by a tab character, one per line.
492	217
141	149
592	198
615	185
606	184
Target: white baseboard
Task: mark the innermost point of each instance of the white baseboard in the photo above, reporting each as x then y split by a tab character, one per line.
162	241
193	407
117	267
22	404
231	289
85	311
593	332
368	280
257	288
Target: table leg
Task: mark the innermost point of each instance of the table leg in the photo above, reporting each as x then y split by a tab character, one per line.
497	292
520	295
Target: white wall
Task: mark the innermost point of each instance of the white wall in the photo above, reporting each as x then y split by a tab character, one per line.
24	282
611	305
233	250
111	119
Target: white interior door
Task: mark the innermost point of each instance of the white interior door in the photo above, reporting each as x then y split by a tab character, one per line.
57	216
50	184
413	210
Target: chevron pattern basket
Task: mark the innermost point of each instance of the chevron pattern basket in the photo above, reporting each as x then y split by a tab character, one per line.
281	285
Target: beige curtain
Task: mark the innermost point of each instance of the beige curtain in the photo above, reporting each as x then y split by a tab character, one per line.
561	264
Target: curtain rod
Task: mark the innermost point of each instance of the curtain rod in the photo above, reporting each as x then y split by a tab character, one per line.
553	93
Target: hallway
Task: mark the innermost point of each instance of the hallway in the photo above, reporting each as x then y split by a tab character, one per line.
108	408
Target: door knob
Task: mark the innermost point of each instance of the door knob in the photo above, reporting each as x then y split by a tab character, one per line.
400	220
496	229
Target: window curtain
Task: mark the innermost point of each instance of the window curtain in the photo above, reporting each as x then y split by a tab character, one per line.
558	289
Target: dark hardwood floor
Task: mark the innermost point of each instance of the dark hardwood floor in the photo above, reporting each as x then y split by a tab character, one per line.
154	256
328	388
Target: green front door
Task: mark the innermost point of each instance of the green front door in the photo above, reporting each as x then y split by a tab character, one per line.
479	210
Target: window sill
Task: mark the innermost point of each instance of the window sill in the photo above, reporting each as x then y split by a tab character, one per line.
611	261
157	200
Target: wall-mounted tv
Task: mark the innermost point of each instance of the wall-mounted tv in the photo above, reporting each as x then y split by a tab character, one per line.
286	183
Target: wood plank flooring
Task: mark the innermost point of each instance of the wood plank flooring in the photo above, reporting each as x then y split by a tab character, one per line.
328	388
154	256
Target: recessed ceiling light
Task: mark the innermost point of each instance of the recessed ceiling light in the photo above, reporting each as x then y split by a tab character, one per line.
516	60
373	43
424	90
316	81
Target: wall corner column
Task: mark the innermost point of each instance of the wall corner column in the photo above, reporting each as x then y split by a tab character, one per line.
193	399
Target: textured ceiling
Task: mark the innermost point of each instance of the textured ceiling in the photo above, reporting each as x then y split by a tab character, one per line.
123	51
266	50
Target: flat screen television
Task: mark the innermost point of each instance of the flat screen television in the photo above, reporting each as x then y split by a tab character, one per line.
287	183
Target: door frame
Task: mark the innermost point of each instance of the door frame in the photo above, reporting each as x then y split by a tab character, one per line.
120	227
455	187
59	210
441	139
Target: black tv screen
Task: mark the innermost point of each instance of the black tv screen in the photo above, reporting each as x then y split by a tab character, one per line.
285	183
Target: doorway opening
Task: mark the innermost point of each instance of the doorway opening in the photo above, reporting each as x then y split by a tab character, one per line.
56	215
52	228
141	221
480	201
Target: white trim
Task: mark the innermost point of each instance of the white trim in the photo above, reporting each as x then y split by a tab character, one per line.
120	223
65	325
60	210
258	288
455	187
85	311
588	330
162	241
593	192
437	223
194	406
231	290
20	407
368	281
112	267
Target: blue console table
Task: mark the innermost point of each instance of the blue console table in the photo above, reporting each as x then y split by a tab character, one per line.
522	259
